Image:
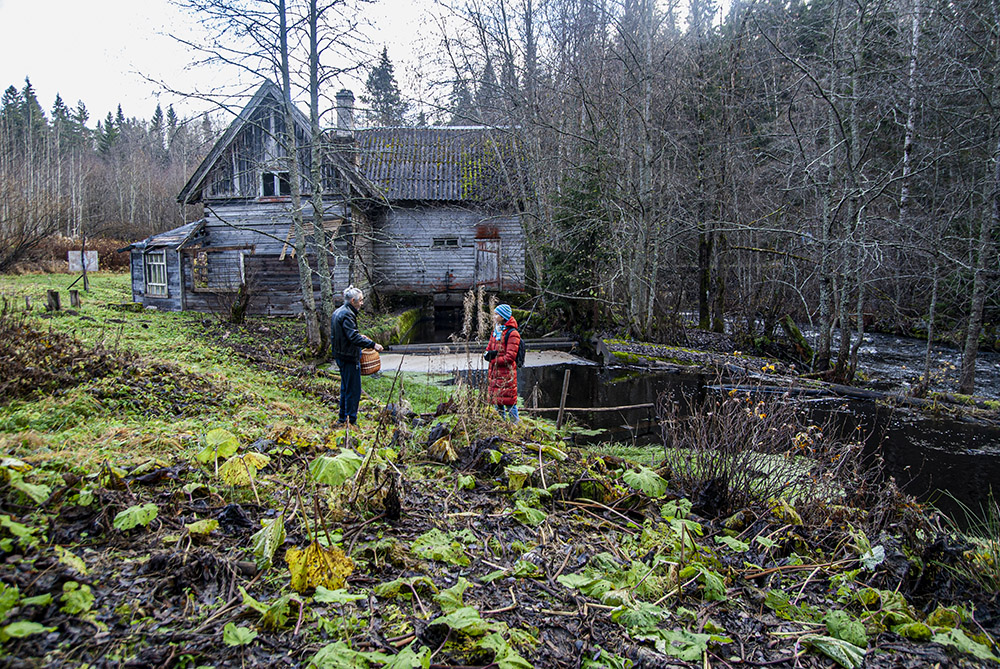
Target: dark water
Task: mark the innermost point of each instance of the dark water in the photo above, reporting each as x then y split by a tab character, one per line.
898	362
934	459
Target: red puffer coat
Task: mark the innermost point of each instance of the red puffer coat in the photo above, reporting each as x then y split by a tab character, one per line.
502	374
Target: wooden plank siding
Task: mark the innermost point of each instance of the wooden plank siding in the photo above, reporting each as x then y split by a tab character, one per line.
273	284
407	260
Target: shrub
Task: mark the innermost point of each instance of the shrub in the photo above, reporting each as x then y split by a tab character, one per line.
747	449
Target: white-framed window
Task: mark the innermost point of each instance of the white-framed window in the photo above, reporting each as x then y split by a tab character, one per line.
275	184
156	273
445	243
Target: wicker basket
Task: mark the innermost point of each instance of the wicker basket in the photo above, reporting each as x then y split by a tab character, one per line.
370	361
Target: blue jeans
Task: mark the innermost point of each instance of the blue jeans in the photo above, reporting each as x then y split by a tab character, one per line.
350	389
508	412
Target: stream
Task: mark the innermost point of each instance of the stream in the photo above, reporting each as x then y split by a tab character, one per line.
937	459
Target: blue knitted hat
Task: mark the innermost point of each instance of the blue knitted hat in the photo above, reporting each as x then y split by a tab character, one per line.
504	311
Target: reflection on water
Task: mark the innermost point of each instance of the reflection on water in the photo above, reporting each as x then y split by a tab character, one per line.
925	455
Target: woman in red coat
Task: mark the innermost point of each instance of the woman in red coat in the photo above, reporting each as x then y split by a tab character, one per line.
501	353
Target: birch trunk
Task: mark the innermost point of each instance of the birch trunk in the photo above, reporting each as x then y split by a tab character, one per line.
294	181
320	246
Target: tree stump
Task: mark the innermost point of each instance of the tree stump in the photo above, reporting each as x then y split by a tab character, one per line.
74	298
53	301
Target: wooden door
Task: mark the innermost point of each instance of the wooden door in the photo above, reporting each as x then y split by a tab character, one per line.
488	264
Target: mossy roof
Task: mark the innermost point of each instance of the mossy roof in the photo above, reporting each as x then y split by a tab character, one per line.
442	163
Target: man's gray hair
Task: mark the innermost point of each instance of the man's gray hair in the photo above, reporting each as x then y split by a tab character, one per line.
352	293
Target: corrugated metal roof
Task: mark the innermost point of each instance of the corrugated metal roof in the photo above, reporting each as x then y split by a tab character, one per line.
434	163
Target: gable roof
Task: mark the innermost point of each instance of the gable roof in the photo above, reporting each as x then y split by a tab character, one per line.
445	163
192	189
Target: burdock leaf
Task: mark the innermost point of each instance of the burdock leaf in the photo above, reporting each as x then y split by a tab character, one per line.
504	657
239	470
238	636
37	493
411	659
249	601
206	526
402	586
327	596
70	559
528	515
517	475
76	598
450	599
334	471
218	443
318	566
957	639
436	545
21	629
733	543
646	481
465	620
140	514
844	653
339	655
267	540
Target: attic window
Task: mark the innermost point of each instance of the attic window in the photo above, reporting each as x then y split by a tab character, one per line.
275	183
156	274
445	243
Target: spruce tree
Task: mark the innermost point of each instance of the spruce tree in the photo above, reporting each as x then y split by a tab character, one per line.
107	134
386	106
32	113
461	104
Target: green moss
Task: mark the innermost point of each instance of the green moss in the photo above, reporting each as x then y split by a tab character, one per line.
392	328
628	358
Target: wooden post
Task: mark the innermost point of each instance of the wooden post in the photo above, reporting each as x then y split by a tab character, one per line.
74	298
534	397
53	303
562	399
27	302
83	261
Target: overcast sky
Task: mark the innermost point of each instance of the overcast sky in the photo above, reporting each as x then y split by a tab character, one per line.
98	51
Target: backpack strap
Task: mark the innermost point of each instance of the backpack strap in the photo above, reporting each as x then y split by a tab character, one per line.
506	335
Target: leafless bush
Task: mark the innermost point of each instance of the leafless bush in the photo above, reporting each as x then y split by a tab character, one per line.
232	306
747	449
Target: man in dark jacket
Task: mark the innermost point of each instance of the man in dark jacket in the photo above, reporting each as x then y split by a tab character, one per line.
346	343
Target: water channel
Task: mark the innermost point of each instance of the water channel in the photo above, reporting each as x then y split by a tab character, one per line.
933	457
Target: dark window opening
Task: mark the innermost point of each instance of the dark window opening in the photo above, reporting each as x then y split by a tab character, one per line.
445	242
275	183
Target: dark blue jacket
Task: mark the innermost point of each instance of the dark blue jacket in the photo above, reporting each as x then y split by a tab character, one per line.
346	342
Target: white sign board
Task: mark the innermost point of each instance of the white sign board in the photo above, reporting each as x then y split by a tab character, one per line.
74	261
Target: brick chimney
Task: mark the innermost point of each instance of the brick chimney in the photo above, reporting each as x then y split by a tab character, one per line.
345	110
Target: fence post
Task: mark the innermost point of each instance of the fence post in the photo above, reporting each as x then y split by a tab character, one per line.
53	301
562	399
74	298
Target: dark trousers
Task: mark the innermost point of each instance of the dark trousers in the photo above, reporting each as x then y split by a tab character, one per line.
350	389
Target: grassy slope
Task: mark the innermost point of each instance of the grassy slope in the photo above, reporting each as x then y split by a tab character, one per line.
259	400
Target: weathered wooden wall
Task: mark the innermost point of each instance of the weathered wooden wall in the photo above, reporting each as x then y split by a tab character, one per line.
406	259
273	284
172	302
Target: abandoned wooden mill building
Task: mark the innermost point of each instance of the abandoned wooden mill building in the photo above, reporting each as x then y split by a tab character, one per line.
420	211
